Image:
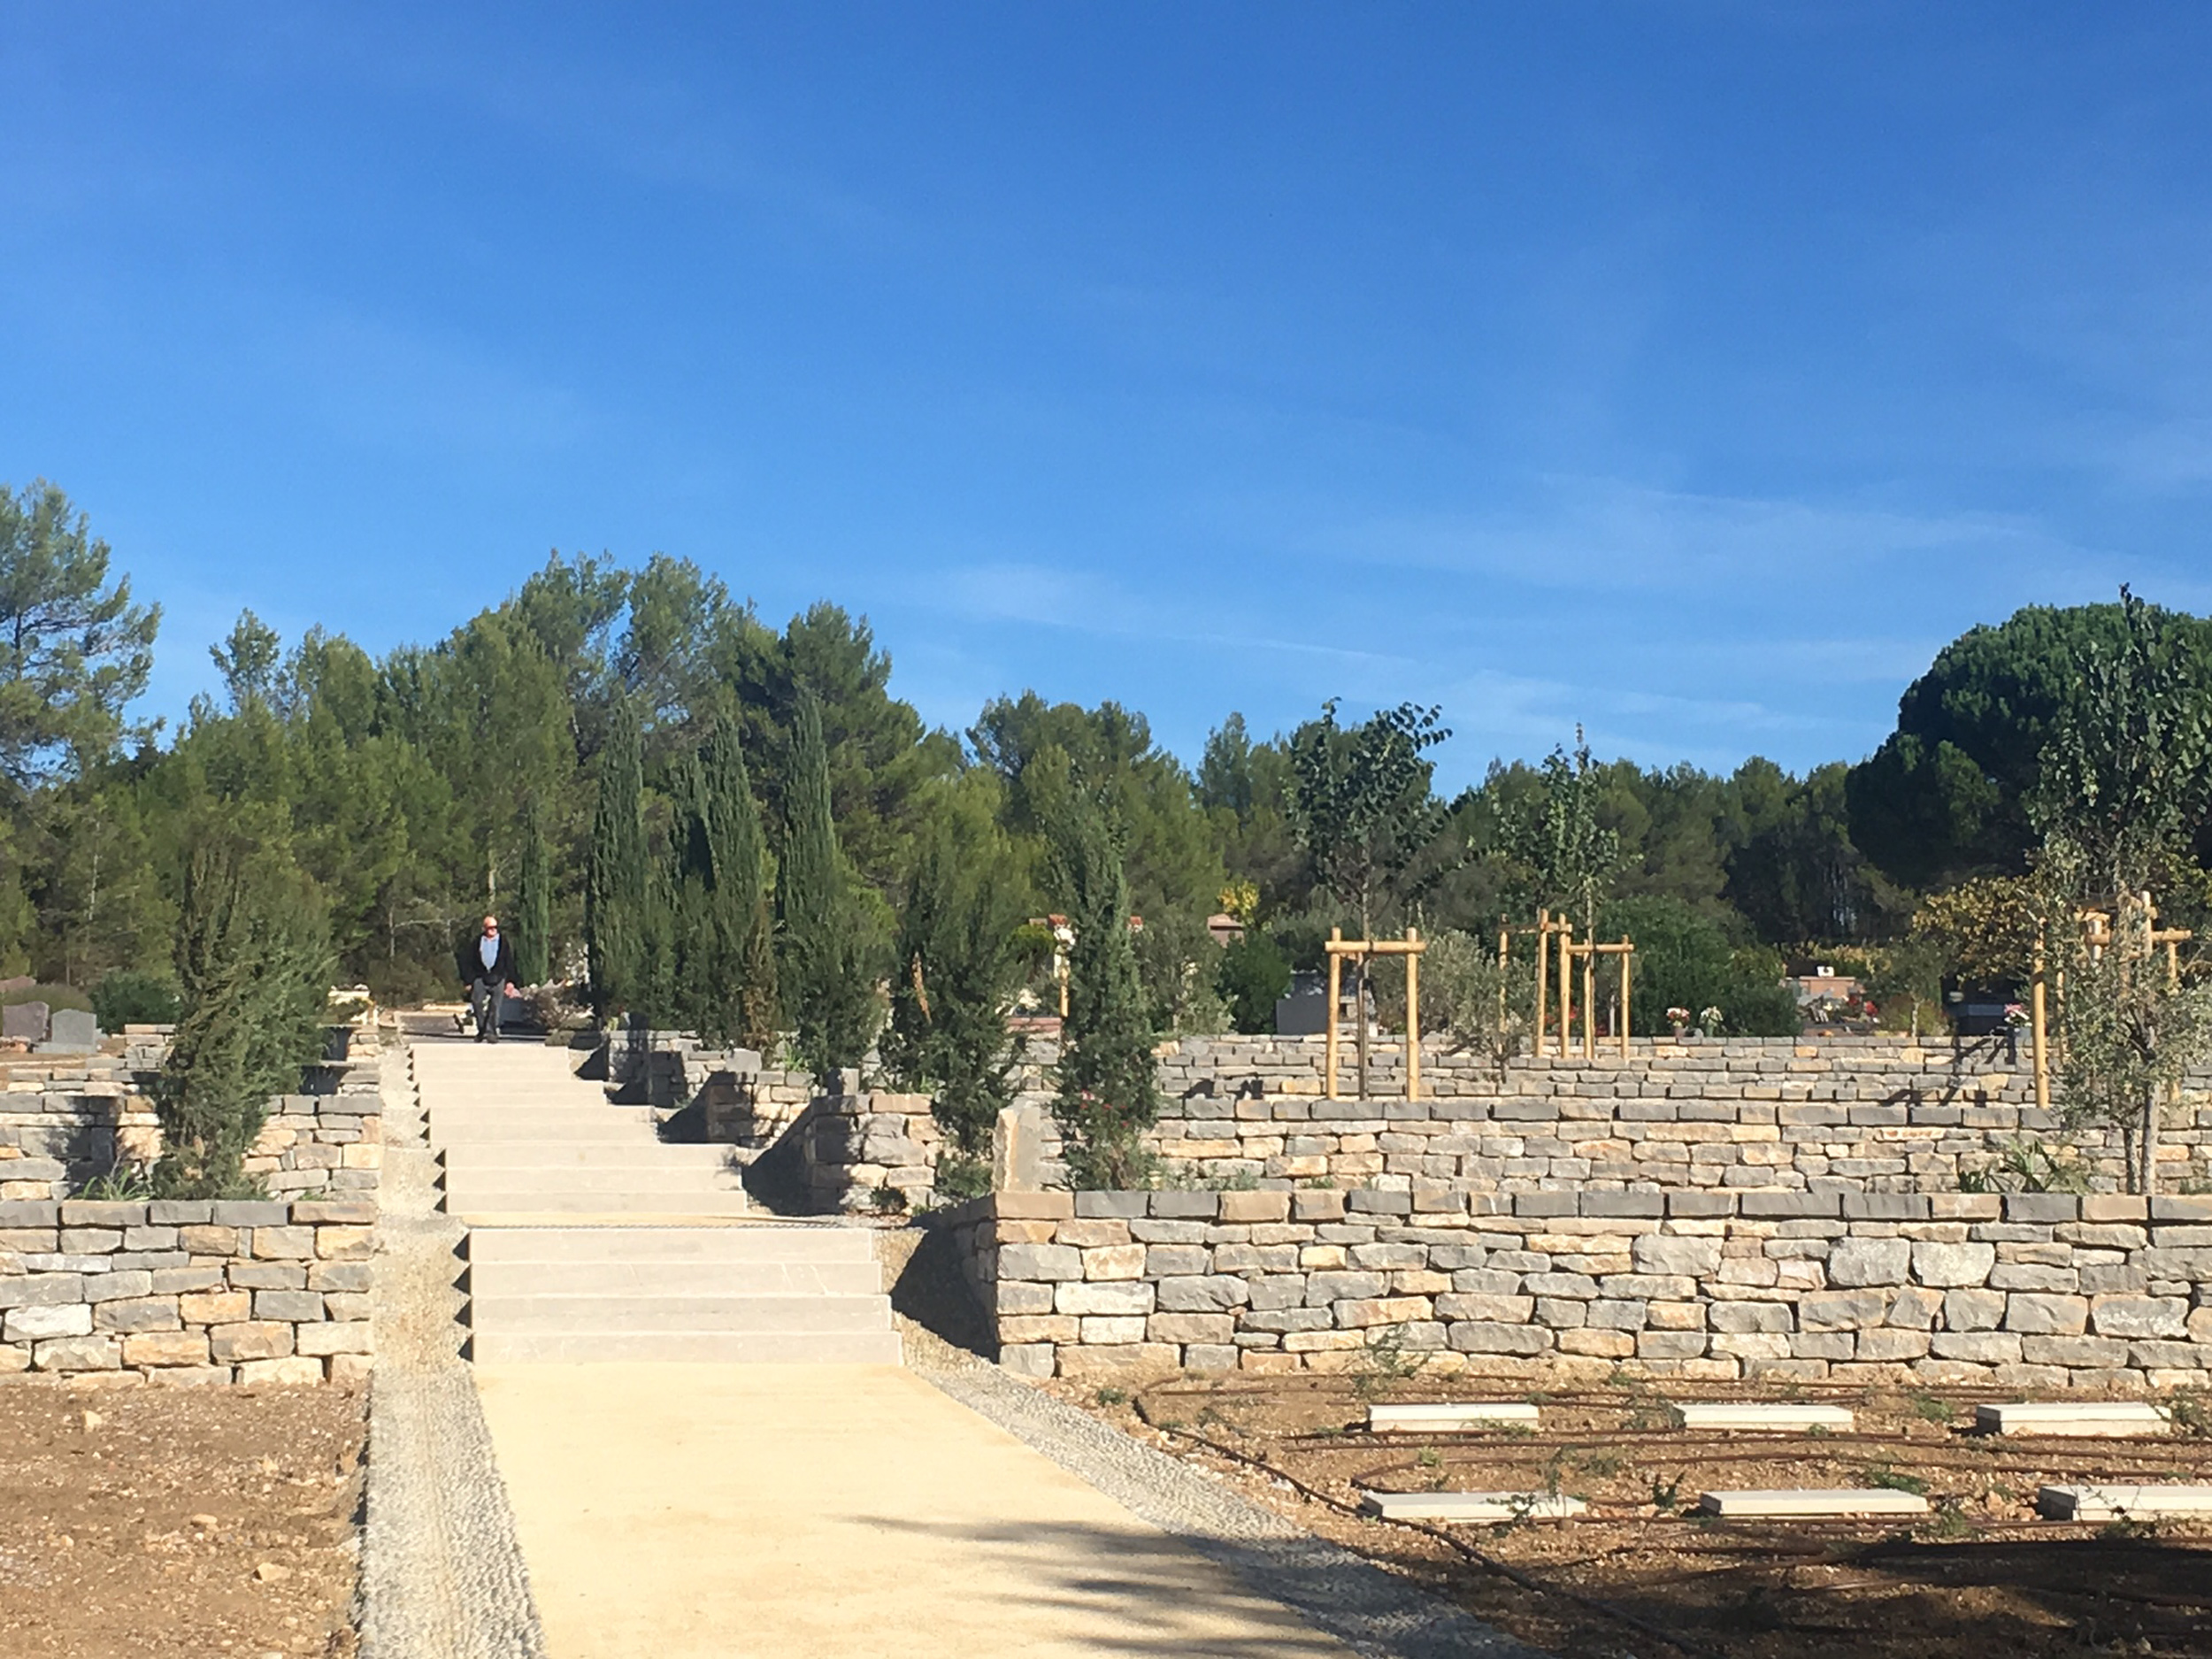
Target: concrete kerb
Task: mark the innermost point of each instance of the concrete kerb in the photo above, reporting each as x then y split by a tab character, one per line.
442	1576
1332	1588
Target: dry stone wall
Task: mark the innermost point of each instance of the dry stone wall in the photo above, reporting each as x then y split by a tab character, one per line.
186	1293
2022	1291
66	1120
1857	1114
1870	1114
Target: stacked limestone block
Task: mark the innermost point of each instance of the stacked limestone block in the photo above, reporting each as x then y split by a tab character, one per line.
322	1143
61	1119
855	1148
188	1292
746	1102
2029	1291
1851	1114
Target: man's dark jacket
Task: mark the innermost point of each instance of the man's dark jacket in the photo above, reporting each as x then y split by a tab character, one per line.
470	962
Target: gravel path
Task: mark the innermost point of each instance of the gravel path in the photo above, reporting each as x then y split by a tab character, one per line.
1353	1600
442	1575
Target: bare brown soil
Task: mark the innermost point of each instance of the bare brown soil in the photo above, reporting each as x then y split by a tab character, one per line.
1983	1578
188	1524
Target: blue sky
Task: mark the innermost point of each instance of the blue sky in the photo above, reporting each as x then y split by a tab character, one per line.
1692	371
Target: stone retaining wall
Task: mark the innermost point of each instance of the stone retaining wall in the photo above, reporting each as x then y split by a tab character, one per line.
2023	1291
745	1102
1869	1114
64	1120
1856	1114
857	1150
188	1292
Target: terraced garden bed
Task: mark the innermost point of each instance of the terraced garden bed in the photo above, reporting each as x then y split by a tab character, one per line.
1981	1575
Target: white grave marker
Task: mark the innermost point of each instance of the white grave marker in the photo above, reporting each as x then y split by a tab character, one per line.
2086	1419
1812	1504
1491	1508
1440	1418
1770	1419
2109	1502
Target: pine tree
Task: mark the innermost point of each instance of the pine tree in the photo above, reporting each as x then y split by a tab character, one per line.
824	974
253	961
533	902
1109	1088
616	889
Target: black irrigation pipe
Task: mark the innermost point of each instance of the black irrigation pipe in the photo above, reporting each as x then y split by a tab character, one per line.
1527	1581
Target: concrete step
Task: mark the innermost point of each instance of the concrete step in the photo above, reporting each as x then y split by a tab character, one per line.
542	1123
760	1242
510	1200
499	1279
763	1315
625	1177
548	1155
724	1348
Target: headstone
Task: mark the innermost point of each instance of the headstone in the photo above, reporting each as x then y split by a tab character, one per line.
1442	1418
71	1031
23	1022
1494	1507
1018	1150
1772	1419
2087	1420
1304	1011
1812	1504
2107	1501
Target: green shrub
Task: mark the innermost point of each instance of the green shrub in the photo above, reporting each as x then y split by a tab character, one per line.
1252	975
130	996
1686	959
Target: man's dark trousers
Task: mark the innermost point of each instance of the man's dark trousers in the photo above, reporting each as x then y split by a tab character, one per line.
484	996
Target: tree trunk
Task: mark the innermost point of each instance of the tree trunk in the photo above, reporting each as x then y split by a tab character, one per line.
2145	1171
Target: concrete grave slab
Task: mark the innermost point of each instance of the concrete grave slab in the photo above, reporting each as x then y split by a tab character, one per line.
2086	1419
1811	1504
1473	1508
24	1022
1773	1419
2111	1501
1441	1419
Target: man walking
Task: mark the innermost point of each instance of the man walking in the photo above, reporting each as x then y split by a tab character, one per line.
487	968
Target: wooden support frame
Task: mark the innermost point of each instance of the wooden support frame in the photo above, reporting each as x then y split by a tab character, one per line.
1589	953
1411	948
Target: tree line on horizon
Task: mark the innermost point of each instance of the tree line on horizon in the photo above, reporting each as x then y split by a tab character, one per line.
736	828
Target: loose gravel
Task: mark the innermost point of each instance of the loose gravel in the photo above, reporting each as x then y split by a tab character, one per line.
442	1577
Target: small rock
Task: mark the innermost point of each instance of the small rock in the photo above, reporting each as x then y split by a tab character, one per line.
91	1421
269	1572
206	1522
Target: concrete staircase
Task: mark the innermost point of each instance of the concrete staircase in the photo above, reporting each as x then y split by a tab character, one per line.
591	1238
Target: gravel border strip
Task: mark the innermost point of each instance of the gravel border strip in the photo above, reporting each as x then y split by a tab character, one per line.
442	1576
1375	1612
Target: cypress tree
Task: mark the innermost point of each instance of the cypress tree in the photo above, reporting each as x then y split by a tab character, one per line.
825	972
746	931
956	971
615	889
253	963
1109	1086
533	902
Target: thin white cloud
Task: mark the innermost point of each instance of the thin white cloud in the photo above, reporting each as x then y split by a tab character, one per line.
1606	534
